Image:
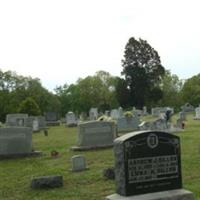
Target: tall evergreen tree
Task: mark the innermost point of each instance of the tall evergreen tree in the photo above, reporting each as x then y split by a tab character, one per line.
143	71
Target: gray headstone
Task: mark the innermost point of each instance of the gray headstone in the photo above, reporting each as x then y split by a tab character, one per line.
115	114
182	116
42	122
52	118
197	111
144	110
157	125
17	119
187	108
157	111
83	116
107	113
71	119
93	114
121	113
96	134
15	140
128	123
78	163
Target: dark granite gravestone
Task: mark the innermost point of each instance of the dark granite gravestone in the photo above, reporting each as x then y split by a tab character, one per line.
52	119
45	182
147	164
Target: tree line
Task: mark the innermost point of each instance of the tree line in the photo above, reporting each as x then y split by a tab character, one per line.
143	82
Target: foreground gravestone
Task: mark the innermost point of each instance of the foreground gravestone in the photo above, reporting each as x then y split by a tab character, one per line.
45	182
78	163
17	119
52	119
95	134
147	163
71	119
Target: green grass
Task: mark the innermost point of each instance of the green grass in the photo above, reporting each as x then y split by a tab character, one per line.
15	175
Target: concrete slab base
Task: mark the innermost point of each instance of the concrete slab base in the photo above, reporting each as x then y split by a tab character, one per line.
179	194
34	153
86	148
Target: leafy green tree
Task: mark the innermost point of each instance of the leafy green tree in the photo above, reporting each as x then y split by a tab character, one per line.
15	88
191	90
30	107
171	87
93	91
143	71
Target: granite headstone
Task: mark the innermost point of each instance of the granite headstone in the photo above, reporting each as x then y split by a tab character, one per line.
95	134
148	166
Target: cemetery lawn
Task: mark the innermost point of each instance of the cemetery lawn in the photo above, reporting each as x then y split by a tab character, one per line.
15	175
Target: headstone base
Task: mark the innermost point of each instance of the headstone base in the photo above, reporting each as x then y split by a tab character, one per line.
70	125
53	123
85	148
34	153
196	118
71	170
179	194
45	182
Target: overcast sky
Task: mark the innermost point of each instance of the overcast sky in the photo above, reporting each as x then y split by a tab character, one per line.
59	41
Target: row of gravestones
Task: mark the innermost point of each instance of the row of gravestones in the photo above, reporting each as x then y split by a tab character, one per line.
16	136
147	167
145	162
123	123
37	123
162	124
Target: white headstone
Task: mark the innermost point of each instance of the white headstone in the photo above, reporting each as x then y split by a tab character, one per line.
114	114
197	110
93	114
71	119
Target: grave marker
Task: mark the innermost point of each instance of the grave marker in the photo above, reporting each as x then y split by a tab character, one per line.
52	119
78	163
71	119
95	134
147	162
